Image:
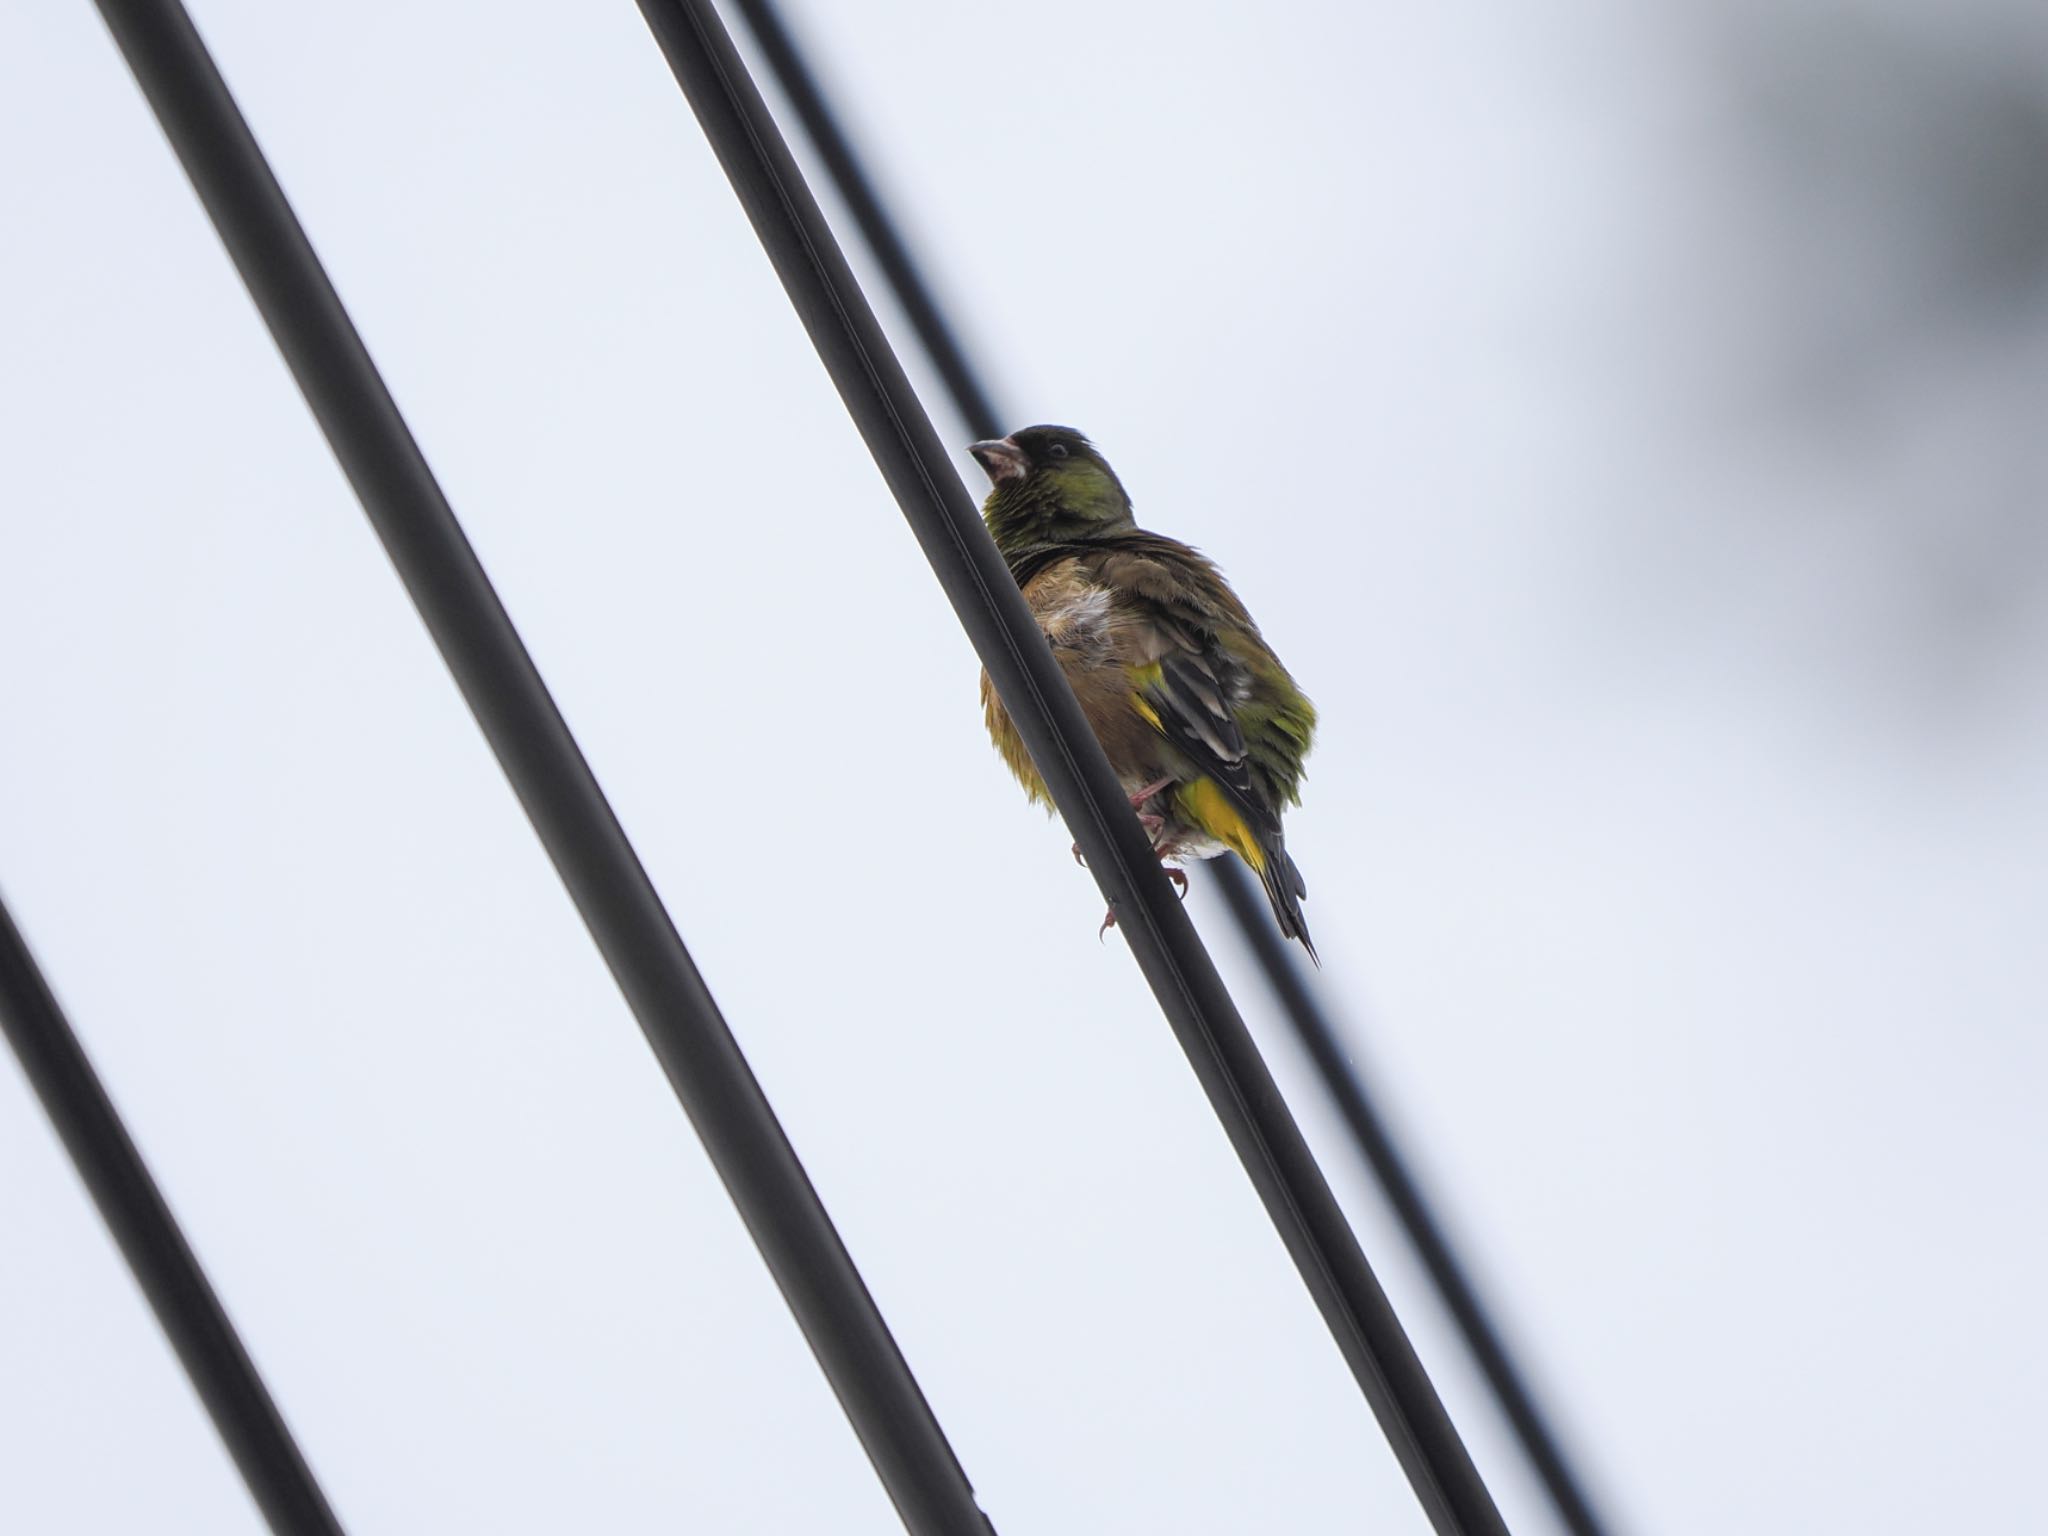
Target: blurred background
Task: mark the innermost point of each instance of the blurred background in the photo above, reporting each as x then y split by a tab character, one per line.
1627	421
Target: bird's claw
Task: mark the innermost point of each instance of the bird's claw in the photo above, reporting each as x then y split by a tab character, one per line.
1180	885
1147	791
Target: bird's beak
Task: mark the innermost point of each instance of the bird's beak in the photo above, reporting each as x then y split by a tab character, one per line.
1001	457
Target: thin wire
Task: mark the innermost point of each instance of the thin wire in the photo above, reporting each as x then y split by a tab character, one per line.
188	1311
1283	969
1326	1049
917	469
975	405
941	343
546	768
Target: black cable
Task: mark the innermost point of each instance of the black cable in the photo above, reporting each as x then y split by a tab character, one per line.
941	343
546	769
974	405
186	1307
919	472
1326	1049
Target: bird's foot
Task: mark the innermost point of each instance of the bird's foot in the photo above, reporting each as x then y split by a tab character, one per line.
1152	824
1147	791
1179	877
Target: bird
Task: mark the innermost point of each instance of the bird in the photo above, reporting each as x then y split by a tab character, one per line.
1206	730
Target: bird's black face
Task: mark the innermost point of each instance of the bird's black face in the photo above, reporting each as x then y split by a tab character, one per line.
1050	483
1024	453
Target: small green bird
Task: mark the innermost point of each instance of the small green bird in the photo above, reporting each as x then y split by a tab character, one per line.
1204	727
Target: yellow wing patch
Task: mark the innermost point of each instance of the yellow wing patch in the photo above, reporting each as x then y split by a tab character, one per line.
1142	678
1203	802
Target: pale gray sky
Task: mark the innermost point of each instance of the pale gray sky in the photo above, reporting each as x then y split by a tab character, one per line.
1626	421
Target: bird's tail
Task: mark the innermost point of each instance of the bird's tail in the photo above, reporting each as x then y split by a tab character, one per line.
1232	818
1284	889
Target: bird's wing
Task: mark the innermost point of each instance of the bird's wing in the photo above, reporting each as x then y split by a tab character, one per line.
1187	693
1183	680
1182	635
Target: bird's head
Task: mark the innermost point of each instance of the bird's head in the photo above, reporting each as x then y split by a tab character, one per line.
1050	486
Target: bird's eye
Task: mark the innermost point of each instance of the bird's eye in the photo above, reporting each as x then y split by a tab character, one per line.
1056	451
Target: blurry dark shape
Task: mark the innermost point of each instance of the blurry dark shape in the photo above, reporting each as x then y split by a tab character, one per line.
164	1265
1918	164
927	486
1828	438
546	769
1905	156
973	404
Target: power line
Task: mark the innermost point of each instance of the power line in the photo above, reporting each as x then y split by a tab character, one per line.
545	767
974	404
1326	1050
164	1265
918	471
941	343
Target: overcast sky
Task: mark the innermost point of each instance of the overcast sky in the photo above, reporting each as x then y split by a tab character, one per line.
1626	422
